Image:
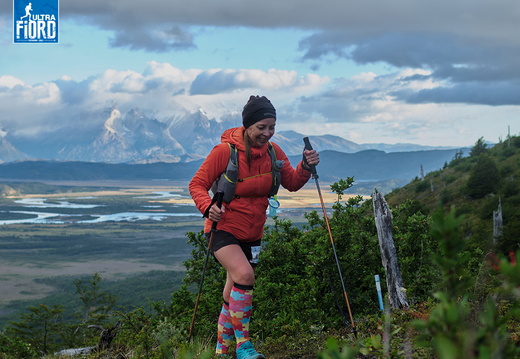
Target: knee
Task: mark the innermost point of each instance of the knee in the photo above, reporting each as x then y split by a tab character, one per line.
245	278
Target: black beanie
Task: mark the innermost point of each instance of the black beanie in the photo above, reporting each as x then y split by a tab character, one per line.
257	109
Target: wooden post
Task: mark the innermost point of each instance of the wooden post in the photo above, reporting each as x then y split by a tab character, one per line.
394	280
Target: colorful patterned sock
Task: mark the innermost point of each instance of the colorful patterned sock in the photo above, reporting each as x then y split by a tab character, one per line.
240	309
225	330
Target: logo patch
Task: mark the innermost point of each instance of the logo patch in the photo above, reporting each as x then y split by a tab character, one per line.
35	21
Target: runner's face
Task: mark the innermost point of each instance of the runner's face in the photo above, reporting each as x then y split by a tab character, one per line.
261	132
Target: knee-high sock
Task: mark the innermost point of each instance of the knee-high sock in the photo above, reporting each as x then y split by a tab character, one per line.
225	330
240	309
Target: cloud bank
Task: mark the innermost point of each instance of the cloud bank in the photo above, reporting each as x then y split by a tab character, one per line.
366	107
441	55
472	44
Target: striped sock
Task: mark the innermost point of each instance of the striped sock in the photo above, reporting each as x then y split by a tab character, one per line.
240	309
225	330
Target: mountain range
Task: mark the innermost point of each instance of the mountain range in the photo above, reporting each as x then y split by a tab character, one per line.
105	145
109	136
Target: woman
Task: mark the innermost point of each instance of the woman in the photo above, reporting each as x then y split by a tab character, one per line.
236	243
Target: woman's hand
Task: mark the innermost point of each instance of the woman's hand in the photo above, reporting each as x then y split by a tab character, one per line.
312	158
215	213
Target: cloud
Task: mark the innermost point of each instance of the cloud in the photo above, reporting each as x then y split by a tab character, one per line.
72	92
436	57
494	94
8	82
366	97
218	81
375	108
153	39
460	42
161	89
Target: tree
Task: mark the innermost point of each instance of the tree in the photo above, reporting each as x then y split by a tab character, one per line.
96	305
39	327
479	148
341	186
484	178
96	302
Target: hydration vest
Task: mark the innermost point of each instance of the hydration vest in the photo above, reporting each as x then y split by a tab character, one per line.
227	181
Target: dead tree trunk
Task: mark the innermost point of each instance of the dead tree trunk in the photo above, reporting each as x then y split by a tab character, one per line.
107	335
497	222
394	280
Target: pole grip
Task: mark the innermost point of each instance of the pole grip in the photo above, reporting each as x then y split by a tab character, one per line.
219	197
309	147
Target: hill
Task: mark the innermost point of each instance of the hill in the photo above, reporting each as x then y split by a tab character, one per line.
477	186
371	167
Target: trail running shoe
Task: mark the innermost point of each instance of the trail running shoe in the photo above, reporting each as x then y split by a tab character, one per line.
223	356
246	351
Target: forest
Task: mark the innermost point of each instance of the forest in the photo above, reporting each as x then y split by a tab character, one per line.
455	232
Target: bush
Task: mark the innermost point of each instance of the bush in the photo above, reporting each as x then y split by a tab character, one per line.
422	186
446	196
510	188
484	178
16	348
450	178
508	152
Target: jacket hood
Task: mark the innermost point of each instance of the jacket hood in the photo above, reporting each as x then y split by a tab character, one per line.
235	136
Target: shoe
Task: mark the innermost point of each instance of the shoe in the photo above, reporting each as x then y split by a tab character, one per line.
223	356
246	351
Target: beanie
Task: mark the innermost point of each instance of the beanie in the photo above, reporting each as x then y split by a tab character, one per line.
257	109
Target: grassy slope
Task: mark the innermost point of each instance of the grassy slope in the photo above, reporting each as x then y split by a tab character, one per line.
448	187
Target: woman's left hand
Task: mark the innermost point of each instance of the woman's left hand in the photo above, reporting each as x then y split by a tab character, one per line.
312	157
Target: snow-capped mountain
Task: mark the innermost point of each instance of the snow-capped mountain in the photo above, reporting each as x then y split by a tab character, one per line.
113	137
8	153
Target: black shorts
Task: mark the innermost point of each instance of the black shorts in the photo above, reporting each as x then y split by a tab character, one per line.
223	238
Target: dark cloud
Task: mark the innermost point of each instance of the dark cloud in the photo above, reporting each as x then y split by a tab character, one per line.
324	44
153	40
72	92
447	55
494	94
472	45
211	82
480	71
344	102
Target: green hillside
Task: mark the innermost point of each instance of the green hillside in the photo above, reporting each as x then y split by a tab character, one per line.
476	186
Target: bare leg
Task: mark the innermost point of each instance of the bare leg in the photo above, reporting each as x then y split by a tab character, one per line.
238	268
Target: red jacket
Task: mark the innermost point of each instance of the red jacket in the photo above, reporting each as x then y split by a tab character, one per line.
244	216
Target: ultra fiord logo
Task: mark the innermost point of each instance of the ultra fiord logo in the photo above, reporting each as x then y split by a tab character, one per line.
35	21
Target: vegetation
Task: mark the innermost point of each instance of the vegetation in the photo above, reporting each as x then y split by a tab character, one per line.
461	281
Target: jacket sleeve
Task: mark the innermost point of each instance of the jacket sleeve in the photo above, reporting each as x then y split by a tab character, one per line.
292	178
208	172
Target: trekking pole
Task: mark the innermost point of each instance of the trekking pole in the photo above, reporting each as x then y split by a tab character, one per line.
218	199
315	176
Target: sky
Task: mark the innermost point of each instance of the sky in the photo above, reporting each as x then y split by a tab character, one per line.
439	73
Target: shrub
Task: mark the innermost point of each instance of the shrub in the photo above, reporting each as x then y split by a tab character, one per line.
422	186
484	178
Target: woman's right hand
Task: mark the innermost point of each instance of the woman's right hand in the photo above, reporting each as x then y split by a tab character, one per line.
215	213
